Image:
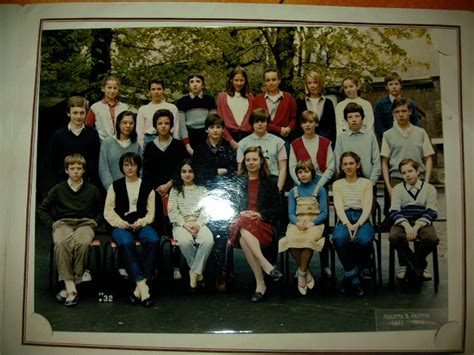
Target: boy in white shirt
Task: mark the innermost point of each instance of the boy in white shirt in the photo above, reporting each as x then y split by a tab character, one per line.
145	130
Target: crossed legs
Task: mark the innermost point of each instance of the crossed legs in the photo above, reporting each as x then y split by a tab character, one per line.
253	253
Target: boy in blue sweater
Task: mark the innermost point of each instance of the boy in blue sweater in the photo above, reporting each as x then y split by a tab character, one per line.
413	209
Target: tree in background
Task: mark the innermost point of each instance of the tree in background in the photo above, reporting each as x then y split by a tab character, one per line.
65	62
172	53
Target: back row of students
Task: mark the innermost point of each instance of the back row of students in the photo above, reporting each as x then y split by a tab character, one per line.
236	103
162	157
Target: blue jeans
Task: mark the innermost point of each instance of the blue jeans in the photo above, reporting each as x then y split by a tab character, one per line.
353	254
125	240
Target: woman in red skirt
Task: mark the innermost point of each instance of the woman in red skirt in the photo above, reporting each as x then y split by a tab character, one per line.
258	210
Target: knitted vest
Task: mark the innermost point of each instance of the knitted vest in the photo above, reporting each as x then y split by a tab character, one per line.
301	153
122	204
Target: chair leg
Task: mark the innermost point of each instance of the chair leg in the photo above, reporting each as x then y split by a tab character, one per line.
378	215
104	259
332	252
435	269
284	266
51	266
113	254
391	267
98	262
373	259
378	244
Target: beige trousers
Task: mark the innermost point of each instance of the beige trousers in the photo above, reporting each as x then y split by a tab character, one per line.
72	238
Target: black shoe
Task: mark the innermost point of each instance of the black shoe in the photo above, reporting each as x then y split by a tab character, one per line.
257	297
148	302
275	274
345	283
201	285
414	280
358	290
61	296
134	299
73	301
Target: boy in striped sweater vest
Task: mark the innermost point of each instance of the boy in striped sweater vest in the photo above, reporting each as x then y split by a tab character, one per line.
413	210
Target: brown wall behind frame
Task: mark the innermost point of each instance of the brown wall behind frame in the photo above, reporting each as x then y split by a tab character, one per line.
412	4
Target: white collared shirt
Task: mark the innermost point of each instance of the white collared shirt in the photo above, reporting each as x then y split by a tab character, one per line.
75	188
160	145
414	188
125	143
76	132
272	102
392	98
316	105
403	132
192	96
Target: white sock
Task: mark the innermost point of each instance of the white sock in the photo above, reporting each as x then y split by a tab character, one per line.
70	286
143	289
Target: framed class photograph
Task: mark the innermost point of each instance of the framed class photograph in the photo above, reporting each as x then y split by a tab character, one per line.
75	55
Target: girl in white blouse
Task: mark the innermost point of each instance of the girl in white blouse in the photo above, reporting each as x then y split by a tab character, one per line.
353	234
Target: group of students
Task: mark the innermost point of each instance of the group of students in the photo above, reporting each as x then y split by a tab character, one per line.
168	162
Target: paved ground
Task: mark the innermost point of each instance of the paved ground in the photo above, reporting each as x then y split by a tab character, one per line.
284	310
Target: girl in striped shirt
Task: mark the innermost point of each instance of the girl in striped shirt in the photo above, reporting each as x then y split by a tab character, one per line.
186	212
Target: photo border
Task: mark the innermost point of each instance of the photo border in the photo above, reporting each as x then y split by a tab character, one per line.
30	198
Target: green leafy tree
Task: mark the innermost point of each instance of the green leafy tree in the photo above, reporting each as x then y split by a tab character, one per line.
65	62
137	54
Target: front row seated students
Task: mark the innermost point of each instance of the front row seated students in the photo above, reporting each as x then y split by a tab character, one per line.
307	211
130	209
215	162
311	146
258	210
353	234
73	209
359	140
413	210
273	147
187	214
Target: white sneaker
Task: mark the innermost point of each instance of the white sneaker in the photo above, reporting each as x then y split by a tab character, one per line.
87	276
401	272
427	275
177	274
123	273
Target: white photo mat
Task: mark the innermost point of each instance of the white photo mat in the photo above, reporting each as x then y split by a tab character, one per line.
27	328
